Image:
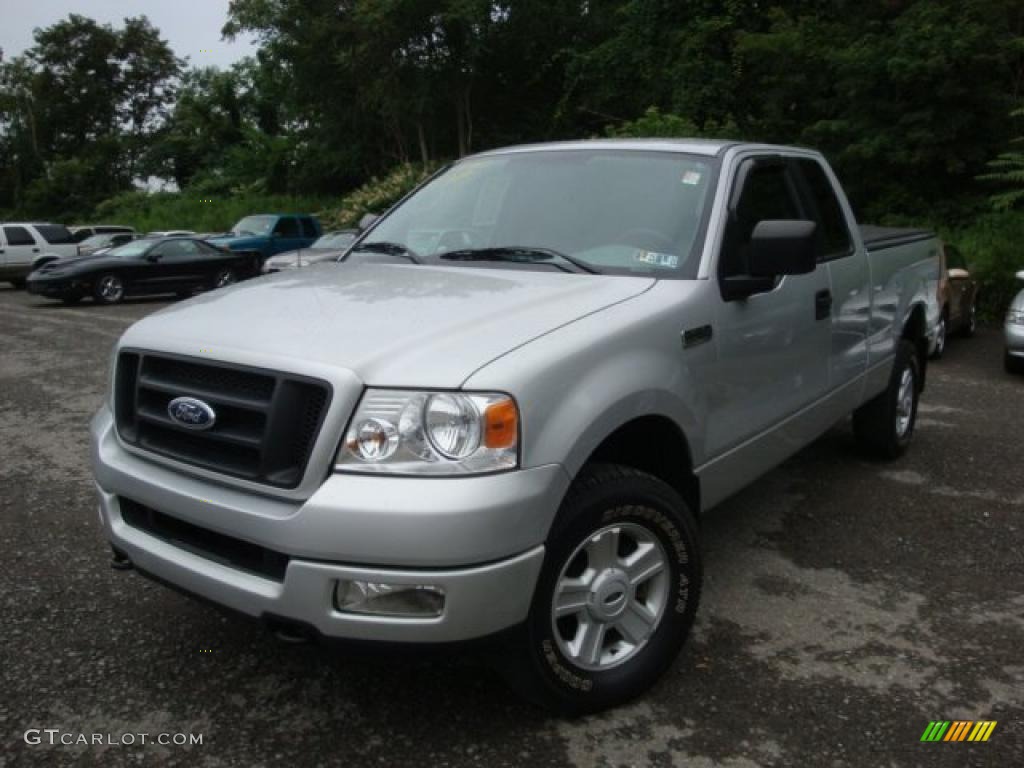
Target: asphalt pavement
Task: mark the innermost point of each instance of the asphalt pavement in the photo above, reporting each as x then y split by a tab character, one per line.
847	604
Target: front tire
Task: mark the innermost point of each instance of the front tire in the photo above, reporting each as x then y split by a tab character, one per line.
884	425
616	597
972	321
108	289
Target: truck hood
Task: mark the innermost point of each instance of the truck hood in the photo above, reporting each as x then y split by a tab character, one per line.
237	241
391	325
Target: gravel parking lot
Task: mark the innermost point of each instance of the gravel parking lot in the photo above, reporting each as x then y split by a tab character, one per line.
847	604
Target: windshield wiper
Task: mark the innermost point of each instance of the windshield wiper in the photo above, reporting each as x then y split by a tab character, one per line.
392	249
522	254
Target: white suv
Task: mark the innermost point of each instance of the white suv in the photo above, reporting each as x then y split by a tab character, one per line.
23	245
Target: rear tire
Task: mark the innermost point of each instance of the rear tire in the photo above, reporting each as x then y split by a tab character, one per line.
623	563
884	425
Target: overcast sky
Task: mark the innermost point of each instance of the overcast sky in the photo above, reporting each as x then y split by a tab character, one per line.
192	27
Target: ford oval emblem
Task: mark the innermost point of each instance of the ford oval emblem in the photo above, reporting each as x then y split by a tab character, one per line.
191	413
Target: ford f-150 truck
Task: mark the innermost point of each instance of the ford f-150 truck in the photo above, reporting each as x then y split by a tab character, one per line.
265	235
504	412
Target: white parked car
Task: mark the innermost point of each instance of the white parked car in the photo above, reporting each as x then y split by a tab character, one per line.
23	244
1014	330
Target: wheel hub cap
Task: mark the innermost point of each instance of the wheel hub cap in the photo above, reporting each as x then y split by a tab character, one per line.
611	596
905	403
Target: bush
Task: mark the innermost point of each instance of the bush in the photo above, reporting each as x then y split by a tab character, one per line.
993	245
198	209
377	195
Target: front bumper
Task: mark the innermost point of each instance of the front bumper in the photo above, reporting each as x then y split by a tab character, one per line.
478	538
58	289
1014	334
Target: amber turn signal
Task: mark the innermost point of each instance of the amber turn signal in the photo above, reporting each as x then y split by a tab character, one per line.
501	424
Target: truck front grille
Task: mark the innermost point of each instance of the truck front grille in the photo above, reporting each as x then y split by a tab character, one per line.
203	542
266	422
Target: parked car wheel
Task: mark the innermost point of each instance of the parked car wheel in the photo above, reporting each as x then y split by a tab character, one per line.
1012	364
885	424
108	289
224	277
616	596
940	337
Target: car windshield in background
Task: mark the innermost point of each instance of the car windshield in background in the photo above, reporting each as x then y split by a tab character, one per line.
613	211
335	240
254	225
131	250
97	241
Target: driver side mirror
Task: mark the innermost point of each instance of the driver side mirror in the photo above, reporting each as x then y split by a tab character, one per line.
783	247
368	220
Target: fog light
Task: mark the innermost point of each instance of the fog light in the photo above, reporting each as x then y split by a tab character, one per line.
410	600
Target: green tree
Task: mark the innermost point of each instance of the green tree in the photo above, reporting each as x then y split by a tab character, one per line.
1008	170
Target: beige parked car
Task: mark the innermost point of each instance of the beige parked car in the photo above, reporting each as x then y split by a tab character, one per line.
958	296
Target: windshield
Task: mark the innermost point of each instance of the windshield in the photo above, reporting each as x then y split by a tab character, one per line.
616	211
335	240
97	241
131	250
254	225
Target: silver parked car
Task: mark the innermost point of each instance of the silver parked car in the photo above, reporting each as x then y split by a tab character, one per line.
1014	329
506	410
328	247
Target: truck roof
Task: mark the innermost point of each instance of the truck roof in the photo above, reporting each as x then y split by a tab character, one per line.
708	147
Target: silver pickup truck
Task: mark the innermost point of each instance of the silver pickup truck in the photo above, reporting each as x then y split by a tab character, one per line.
507	408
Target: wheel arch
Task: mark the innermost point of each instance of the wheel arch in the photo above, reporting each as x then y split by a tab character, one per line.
915	330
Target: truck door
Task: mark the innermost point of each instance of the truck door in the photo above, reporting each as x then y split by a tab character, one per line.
849	278
287	236
773	347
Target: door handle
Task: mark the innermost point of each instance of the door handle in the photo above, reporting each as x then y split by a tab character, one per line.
822	305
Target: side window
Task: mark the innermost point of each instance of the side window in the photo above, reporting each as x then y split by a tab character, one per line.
18	236
287	226
833	234
55	234
308	227
768	193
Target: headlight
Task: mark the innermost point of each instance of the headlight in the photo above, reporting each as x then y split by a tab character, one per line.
431	433
1015	317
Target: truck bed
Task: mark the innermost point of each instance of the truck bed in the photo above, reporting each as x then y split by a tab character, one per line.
881	238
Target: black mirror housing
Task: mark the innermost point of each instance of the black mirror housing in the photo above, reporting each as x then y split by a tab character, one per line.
783	247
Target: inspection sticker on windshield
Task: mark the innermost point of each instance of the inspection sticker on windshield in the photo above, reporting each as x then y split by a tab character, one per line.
654	259
691	178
